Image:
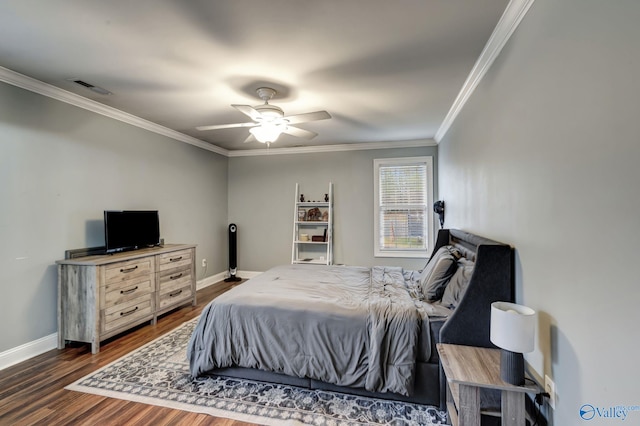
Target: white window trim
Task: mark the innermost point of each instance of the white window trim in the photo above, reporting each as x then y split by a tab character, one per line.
428	160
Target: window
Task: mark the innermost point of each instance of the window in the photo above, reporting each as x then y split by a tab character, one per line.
403	190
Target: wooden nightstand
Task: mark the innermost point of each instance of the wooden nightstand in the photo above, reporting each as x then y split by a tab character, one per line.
470	368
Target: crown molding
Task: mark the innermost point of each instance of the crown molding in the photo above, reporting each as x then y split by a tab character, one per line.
45	89
513	14
334	148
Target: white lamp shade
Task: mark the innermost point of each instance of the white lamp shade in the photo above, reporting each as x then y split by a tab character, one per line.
268	132
513	327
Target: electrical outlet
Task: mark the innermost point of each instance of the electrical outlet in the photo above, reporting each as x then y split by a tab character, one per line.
550	388
204	263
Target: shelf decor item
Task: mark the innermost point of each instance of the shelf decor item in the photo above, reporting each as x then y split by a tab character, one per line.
513	331
314	214
302	214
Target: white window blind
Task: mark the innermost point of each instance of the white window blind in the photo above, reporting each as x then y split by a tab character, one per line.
403	200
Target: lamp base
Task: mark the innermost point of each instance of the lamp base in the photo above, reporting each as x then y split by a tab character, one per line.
512	367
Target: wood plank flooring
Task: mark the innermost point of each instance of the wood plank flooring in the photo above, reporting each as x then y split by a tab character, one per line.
32	392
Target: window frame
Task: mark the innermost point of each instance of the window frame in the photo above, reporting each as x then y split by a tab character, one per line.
429	221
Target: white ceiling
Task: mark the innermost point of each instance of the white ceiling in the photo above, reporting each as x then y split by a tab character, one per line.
385	70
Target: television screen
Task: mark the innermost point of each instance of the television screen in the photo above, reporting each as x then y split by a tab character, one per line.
130	229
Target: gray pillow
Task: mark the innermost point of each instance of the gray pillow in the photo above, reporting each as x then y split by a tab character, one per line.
458	284
436	274
441	251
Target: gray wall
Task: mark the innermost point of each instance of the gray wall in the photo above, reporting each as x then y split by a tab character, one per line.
545	157
262	194
60	167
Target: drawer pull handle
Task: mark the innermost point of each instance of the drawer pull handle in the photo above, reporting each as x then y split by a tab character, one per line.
175	259
131	290
175	293
175	277
124	314
125	271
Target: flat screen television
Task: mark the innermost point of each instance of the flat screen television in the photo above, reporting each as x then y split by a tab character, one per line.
130	229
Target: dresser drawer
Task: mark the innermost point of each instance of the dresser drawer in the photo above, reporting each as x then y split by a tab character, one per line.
127	312
173	297
176	286
120	292
122	271
172	277
176	259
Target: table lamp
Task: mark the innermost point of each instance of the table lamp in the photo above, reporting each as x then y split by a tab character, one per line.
513	331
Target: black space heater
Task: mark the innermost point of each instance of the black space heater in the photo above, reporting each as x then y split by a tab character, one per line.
233	256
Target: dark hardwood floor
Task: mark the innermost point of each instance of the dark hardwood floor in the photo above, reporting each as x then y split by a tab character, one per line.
32	392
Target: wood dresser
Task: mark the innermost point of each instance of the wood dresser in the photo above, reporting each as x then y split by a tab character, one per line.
101	296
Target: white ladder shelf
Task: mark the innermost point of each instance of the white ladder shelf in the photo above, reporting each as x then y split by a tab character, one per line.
313	230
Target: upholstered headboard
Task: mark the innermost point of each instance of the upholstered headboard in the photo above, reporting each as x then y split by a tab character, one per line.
492	280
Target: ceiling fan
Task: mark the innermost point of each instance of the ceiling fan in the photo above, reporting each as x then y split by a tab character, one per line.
269	121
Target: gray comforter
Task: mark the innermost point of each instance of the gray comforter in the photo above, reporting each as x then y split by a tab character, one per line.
350	326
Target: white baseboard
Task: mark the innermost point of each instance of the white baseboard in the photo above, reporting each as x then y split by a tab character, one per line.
210	280
29	350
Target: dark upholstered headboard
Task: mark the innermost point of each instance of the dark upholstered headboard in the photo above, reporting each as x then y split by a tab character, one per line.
492	280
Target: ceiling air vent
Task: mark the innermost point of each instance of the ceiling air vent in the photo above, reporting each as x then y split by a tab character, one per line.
90	86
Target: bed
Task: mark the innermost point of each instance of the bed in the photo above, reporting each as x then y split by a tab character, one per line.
365	331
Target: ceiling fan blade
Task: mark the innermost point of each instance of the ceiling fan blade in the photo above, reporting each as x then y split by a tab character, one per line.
249	110
309	116
301	133
250	138
226	126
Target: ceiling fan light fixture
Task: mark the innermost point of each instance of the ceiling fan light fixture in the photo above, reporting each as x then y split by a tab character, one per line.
268	132
269	122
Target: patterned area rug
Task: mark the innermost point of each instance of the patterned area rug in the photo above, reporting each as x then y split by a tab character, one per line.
158	374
